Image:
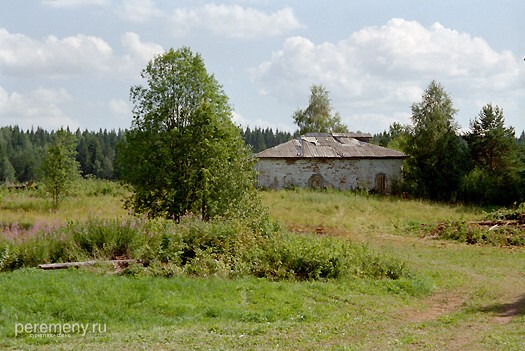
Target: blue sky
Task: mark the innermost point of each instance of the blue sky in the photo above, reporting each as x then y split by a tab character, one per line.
72	62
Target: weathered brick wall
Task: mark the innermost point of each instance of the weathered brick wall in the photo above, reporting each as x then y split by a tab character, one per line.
343	174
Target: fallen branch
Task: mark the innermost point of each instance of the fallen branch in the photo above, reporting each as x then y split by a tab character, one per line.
47	266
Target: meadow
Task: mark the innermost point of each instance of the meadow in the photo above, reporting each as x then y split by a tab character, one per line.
448	294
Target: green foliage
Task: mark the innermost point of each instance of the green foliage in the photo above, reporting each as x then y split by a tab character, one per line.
7	171
504	228
227	248
494	153
485	167
96	150
317	118
484	187
492	145
183	153
60	167
437	156
380	266
22	153
516	212
470	233
288	255
97	153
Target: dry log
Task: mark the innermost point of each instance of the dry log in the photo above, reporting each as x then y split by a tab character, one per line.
47	266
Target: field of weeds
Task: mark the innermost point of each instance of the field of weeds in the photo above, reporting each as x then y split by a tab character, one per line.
445	294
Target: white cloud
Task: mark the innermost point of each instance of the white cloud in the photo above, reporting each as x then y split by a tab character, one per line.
53	57
238	119
142	51
74	3
36	108
234	21
80	54
119	107
139	11
408	48
243	122
383	70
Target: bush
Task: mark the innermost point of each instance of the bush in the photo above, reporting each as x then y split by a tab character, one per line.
502	227
515	213
227	248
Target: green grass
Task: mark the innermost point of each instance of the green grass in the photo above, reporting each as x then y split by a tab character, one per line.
360	216
136	310
461	297
87	198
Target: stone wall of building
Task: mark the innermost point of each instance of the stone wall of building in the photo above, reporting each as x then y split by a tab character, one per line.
344	174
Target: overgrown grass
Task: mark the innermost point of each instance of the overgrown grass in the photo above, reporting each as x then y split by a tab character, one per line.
451	295
502	227
357	214
226	248
90	198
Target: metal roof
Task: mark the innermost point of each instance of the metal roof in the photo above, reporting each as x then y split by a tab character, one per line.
323	145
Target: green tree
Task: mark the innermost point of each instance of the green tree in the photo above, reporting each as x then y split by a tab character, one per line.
183	152
494	153
492	145
437	155
317	118
60	168
7	171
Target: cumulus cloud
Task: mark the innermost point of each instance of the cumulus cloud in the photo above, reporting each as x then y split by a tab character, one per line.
234	21
74	3
407	48
53	57
383	69
80	54
119	107
139	11
142	51
36	108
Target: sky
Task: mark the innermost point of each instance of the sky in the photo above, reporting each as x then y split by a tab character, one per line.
71	63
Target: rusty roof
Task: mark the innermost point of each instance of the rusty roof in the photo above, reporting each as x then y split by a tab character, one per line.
323	145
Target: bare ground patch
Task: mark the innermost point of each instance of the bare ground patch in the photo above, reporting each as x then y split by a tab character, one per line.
506	312
437	305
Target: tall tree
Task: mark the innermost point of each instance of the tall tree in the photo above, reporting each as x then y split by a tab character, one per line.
60	168
317	117
437	155
495	177
183	152
492	145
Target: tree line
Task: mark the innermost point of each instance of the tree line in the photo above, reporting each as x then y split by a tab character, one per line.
260	139
22	151
484	165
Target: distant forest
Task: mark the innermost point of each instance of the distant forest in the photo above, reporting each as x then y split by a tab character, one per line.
22	151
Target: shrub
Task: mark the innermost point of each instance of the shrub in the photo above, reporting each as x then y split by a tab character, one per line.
514	213
226	248
502	227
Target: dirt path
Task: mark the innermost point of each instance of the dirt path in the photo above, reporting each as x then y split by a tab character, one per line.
435	306
505	313
474	314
